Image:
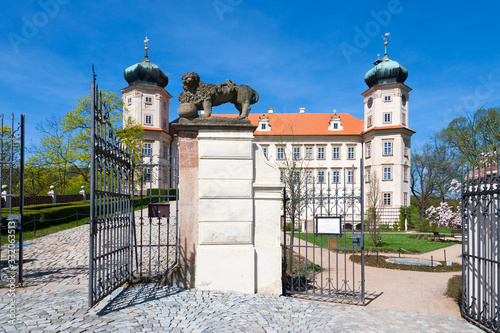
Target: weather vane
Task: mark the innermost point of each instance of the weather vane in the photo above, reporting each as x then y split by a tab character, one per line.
146	45
386	37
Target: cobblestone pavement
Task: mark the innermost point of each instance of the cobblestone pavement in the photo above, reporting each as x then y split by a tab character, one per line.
154	309
55	300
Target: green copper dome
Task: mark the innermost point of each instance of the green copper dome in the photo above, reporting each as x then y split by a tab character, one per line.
386	71
147	73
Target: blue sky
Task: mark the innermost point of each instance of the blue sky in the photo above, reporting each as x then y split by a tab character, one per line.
294	53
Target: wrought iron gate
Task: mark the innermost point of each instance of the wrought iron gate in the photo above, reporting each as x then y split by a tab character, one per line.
131	238
323	225
12	183
481	250
111	209
156	246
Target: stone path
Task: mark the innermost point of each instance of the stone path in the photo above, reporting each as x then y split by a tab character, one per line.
55	300
155	309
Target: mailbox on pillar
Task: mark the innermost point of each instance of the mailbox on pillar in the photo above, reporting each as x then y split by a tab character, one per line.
158	209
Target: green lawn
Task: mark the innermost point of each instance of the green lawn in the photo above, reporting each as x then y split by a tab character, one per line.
391	242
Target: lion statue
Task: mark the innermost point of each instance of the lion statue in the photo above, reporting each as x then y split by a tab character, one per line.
205	95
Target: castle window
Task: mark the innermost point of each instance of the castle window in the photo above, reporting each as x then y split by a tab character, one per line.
264	150
309	176
403	119
387	148
149	100
369	121
368	175
387	118
263	126
147	151
336	176
406	148
368	150
350	176
336	153
321	153
148	119
387	98
129	100
309	153
387	173
387	199
321	176
280	153
350	153
147	174
296	153
405	173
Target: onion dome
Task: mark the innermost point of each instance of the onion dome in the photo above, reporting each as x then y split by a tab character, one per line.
145	72
386	71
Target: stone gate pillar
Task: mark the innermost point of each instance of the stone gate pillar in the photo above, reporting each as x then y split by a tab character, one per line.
229	208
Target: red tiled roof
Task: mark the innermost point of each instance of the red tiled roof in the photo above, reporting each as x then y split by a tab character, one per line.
301	124
389	127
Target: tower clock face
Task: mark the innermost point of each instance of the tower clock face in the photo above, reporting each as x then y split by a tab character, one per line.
370	102
403	99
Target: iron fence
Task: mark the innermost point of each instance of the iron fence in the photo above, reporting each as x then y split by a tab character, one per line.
481	250
326	227
12	182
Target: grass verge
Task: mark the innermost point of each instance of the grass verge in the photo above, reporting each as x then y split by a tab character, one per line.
371	260
391	242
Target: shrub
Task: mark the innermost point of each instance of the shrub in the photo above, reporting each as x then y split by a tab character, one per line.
454	288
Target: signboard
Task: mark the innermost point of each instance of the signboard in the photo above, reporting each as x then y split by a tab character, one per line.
329	225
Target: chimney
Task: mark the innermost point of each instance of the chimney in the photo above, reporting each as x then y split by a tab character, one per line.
302	110
270	110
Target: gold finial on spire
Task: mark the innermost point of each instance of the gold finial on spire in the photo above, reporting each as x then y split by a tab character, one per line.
146	45
386	37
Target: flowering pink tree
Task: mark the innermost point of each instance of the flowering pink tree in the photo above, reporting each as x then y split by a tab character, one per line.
444	215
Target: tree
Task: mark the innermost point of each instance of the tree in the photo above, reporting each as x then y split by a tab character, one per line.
374	198
64	149
423	178
293	174
471	135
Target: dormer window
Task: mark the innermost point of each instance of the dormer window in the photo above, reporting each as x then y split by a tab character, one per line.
264	124
335	124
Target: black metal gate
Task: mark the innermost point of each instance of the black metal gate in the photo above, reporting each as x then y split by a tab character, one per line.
12	199
132	238
111	209
323	225
481	247
156	246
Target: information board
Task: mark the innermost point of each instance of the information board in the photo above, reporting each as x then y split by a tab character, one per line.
329	225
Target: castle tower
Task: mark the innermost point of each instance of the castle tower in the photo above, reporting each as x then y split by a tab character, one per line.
386	135
146	102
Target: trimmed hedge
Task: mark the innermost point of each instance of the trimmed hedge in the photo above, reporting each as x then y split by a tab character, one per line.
162	192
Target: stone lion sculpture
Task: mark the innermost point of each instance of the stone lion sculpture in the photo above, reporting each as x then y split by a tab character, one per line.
205	95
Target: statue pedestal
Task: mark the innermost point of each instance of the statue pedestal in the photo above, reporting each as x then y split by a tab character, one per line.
229	209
